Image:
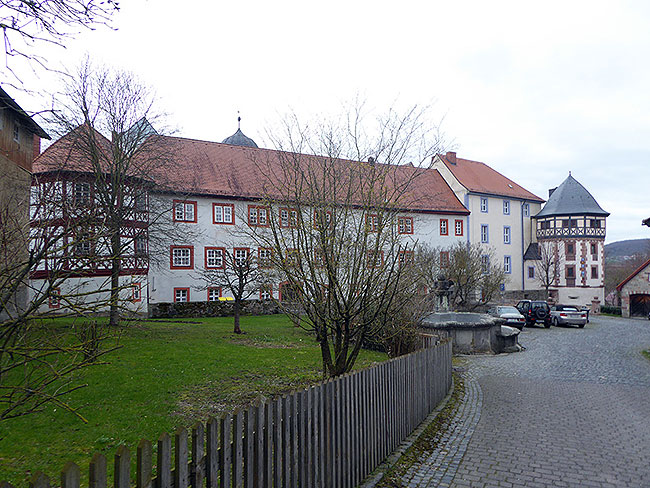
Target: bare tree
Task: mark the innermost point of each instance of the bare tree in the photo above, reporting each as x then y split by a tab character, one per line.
331	223
548	266
26	25
240	272
476	278
116	155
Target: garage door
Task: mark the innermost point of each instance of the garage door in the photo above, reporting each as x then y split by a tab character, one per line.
639	305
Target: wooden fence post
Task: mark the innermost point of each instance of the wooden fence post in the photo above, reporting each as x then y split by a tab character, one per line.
226	451
212	456
39	480
122	468
70	476
144	463
97	472
164	476
181	479
197	469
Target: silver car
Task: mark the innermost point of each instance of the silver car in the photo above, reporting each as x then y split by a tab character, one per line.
568	315
511	315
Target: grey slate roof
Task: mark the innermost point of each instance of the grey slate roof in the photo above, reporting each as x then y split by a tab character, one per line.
532	253
571	198
239	139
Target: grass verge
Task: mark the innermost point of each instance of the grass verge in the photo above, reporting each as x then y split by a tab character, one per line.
167	374
646	354
427	442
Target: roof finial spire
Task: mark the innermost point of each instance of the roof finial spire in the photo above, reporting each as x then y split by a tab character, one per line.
569	172
238	120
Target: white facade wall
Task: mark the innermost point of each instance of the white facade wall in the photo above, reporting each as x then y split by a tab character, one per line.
163	280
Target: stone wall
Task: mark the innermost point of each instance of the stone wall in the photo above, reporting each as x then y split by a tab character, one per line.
212	309
639	285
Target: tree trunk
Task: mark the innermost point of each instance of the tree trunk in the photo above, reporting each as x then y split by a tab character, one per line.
237	329
114	316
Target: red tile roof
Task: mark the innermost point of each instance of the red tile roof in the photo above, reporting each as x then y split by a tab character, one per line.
632	275
229	171
480	178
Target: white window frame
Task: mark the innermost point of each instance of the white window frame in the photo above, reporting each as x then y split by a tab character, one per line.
485	263
222	213
506	234
485	234
526	209
531	268
185	211
506	207
214	293
181	295
507	264
214	258
484	205
238	257
181	257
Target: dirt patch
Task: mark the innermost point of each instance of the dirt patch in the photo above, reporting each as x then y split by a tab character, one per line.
259	342
217	398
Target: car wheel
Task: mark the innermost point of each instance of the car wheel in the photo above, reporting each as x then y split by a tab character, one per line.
547	324
582	326
555	322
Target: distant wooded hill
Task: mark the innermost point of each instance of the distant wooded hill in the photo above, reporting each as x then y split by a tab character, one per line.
626	250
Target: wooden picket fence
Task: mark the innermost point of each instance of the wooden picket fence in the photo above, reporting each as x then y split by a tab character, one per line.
331	435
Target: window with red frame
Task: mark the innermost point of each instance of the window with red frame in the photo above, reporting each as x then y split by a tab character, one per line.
458	227
181	295
266	292
223	213
405	257
372	223
594	272
405	225
265	257
444	227
214	258
136	292
375	259
240	255
444	258
184	211
214	293
288	218
291	257
322	219
54	300
181	257
258	216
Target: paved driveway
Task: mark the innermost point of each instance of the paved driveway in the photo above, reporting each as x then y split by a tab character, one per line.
571	410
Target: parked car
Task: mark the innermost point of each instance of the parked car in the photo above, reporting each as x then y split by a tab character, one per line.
511	315
568	315
535	311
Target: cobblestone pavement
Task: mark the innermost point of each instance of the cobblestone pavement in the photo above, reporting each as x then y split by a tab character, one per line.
571	410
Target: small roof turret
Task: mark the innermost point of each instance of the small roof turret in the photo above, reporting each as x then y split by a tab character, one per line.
571	198
238	138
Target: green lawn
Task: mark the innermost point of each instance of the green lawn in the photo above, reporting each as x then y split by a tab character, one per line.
646	354
168	373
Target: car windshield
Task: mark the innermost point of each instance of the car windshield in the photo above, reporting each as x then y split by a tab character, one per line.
569	309
507	310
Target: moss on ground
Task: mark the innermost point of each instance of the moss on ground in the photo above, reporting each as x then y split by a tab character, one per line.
427	442
646	354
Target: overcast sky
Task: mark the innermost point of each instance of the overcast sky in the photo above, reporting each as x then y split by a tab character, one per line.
533	91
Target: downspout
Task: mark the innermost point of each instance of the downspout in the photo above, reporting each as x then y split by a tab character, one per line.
523	251
467	221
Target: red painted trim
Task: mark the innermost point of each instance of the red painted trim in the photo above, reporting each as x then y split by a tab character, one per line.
210	288
316	217
406	257
444	258
259	257
446	232
223	257
371	224
188	294
171	257
232	209
405	219
184	202
258	207
456	222
289	225
54	300
269	288
137	286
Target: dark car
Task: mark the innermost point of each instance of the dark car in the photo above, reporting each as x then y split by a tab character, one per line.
535	311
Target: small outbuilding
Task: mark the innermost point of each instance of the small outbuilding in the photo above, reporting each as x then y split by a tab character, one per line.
635	292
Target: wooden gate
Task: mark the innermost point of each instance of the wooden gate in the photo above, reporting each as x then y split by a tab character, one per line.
639	305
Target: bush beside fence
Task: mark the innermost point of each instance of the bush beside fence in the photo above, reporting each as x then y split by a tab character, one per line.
331	435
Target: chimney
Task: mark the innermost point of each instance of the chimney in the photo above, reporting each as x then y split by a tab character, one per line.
371	160
550	191
451	157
